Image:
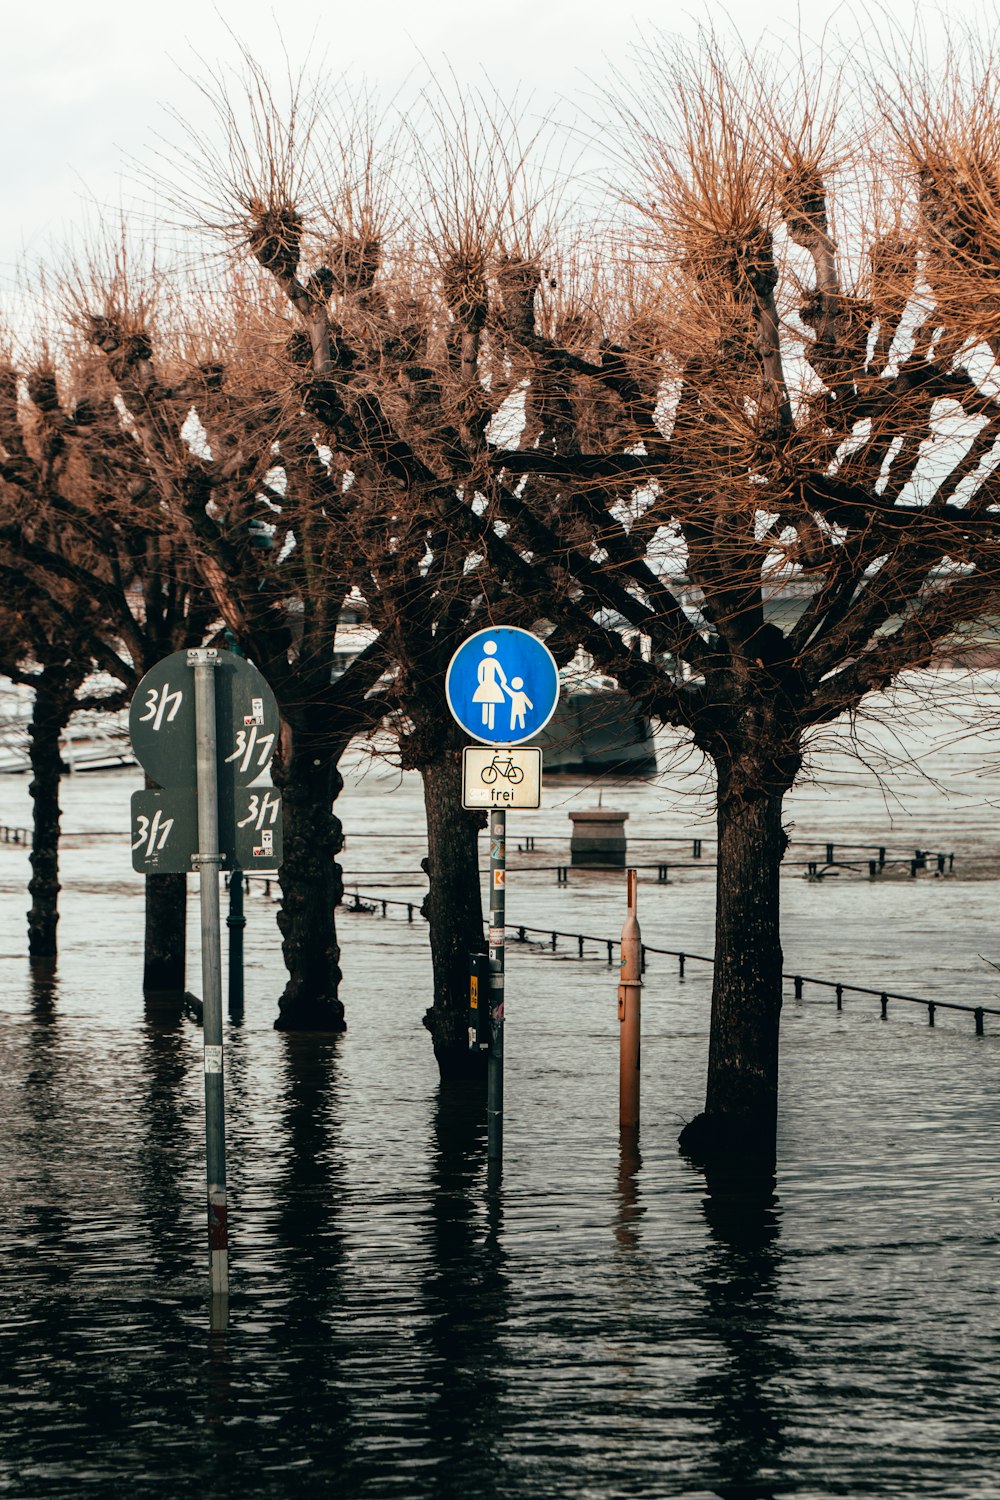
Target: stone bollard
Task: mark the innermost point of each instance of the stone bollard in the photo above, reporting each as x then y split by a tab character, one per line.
598	837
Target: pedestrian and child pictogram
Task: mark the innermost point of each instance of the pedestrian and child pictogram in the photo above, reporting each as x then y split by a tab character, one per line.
502	685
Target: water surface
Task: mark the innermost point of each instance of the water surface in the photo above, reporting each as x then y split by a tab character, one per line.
598	1328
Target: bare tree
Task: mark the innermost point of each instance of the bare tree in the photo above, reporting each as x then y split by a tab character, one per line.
100	585
54	664
777	362
49	631
403	367
260	512
788	406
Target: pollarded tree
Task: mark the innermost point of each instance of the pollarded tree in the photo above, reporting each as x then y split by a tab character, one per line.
396	371
786	406
45	648
748	399
260	511
101	587
48	628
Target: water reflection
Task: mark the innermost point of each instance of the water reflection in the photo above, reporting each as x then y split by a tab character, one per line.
630	1208
68	1233
41	1126
311	1393
166	1120
311	1185
43	988
466	1293
743	1390
43	1082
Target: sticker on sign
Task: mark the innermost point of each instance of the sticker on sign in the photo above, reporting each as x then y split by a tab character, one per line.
504	776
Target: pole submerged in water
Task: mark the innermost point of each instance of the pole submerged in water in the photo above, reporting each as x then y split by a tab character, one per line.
630	1012
236	922
208	860
498	913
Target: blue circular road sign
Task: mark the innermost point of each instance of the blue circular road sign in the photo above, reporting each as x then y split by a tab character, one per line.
502	685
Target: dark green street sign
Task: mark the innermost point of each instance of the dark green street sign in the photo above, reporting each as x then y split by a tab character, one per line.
162	729
165	832
257	842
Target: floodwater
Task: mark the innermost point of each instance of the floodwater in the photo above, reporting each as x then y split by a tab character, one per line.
598	1327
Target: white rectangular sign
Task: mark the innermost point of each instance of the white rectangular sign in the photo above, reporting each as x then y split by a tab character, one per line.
501	776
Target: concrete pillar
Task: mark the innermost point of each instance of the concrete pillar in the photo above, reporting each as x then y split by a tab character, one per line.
598	837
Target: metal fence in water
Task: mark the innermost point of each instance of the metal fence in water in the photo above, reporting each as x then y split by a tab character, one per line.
370	902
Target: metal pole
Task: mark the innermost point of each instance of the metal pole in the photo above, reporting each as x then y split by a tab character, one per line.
207	861
629	1012
236	922
498	911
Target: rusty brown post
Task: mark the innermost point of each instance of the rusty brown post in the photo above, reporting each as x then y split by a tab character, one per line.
629	1012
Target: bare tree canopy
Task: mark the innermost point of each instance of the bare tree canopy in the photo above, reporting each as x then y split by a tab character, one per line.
446	377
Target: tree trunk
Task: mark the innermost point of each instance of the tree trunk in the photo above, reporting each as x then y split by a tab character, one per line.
164	967
739	1120
311	888
53	705
454	911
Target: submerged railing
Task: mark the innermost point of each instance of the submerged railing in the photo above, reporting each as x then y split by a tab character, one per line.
359	901
812	869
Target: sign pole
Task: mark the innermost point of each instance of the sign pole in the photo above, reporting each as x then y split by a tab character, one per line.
501	687
204	724
207	861
494	1065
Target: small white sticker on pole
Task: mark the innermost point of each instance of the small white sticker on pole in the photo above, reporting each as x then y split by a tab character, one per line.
213	1059
496	937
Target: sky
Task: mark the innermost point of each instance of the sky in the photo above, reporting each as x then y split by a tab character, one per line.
89	85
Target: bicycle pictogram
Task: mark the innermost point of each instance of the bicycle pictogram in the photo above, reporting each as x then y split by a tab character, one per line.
502	765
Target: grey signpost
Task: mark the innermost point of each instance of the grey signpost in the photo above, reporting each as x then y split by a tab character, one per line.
207	861
502	687
497	979
204	724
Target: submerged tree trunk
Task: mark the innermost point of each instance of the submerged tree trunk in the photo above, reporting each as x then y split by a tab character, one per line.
311	887
454	911
740	1116
54	698
164	967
